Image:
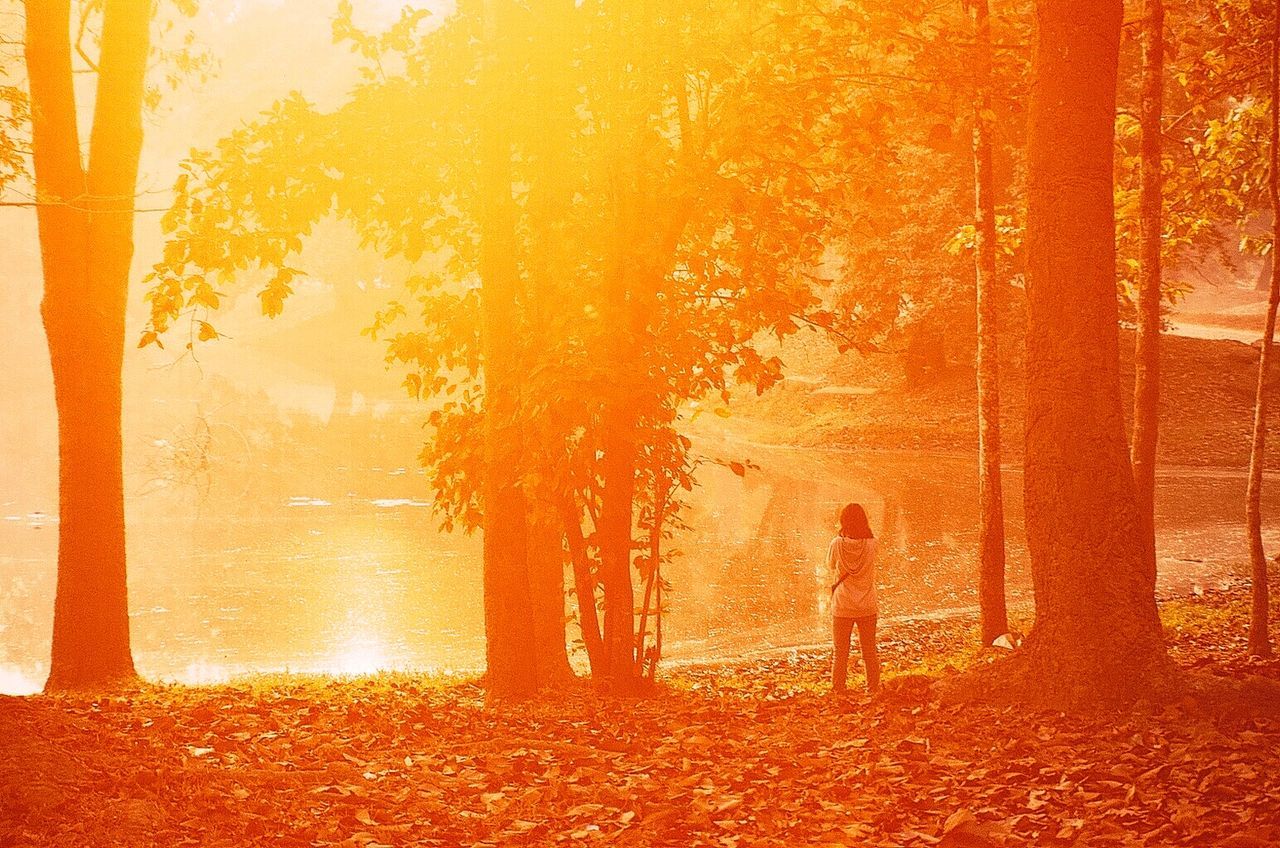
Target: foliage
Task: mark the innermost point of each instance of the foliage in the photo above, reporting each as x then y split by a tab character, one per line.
1212	151
905	272
703	185
177	55
914	200
730	754
13	123
15	135
13	132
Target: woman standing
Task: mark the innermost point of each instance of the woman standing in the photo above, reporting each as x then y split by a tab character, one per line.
851	561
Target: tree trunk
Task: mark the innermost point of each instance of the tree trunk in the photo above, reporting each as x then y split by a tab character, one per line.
991	599
926	355
1259	636
512	671
1146	388
616	508
550	76
85	222
584	586
647	659
1097	636
545	552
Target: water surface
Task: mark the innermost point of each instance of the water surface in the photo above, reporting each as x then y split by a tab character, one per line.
345	571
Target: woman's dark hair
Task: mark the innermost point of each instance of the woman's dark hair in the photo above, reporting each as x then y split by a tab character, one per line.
853	523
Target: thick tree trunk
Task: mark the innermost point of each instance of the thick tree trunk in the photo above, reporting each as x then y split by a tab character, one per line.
1097	636
1146	388
1259	635
991	599
86	244
512	670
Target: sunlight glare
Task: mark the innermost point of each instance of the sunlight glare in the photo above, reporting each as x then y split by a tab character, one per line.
360	655
14	681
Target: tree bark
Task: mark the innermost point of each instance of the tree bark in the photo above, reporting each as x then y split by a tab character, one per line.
546	558
550	76
511	668
1259	635
1146	388
616	510
584	585
651	579
85	219
991	552
926	355
1264	274
1097	636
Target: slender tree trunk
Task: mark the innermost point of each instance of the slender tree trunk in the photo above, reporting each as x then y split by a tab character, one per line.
653	578
991	599
1097	636
85	222
512	669
584	586
1146	389
646	230
1259	636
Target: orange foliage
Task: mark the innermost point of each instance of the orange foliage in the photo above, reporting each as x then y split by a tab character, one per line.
742	754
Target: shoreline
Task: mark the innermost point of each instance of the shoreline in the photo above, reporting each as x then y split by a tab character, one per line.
1167	469
953	619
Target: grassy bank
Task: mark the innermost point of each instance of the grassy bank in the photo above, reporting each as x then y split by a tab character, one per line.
1206	411
738	754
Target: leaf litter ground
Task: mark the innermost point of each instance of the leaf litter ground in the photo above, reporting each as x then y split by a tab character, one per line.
736	754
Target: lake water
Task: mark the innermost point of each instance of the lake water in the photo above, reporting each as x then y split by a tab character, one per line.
349	574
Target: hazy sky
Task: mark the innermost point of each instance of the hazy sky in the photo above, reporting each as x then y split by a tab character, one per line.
263	49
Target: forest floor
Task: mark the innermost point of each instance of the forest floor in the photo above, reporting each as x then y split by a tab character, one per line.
735	754
1206	403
